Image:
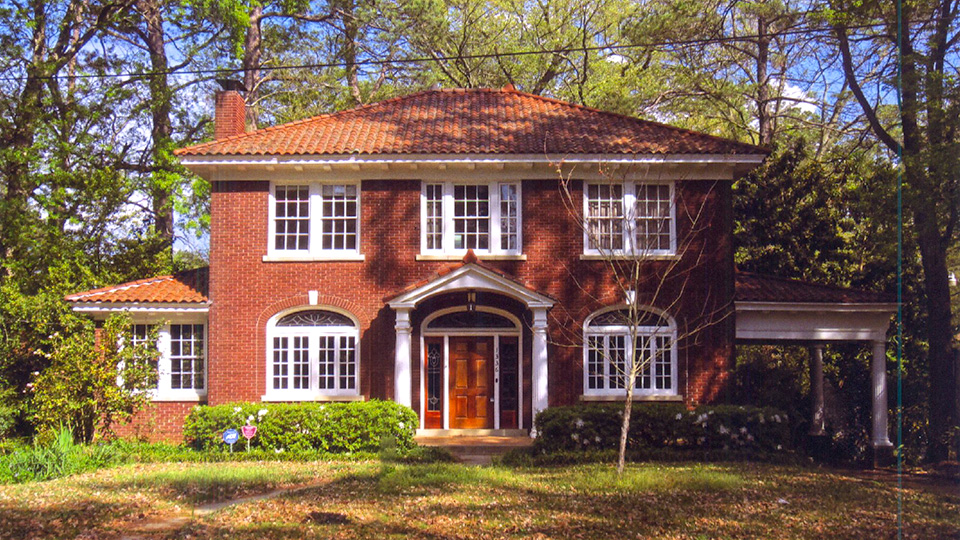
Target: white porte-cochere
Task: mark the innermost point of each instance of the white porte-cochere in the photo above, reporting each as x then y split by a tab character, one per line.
817	324
471	277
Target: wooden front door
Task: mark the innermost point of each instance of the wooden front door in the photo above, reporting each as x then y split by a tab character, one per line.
471	382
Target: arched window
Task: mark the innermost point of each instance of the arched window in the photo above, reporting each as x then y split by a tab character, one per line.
619	346
312	353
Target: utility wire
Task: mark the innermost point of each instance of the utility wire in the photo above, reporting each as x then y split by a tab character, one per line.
662	44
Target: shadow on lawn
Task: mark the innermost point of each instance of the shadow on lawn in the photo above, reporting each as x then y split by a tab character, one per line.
472	502
74	519
447	502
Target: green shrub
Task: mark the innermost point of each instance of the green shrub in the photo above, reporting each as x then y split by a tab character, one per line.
332	428
59	457
728	428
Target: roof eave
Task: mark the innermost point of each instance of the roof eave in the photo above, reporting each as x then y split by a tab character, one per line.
839	307
134	307
425	159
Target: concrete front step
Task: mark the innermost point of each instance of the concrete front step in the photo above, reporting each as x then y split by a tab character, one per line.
468	433
476	450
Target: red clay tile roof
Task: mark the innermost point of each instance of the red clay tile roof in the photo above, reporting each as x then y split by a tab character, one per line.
471	121
760	288
183	287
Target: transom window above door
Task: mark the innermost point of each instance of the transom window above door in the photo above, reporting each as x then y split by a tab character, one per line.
314	221
456	217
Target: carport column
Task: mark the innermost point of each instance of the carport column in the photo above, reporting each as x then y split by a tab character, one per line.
539	375
402	377
816	390
878	374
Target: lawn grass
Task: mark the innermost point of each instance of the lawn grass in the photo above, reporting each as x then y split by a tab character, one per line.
383	500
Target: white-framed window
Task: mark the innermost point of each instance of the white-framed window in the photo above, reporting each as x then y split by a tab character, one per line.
484	217
187	357
611	345
313	220
629	218
312	353
182	366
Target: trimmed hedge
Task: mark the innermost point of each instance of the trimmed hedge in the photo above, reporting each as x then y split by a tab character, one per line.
596	427
358	426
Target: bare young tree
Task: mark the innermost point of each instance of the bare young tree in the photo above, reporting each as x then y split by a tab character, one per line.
655	254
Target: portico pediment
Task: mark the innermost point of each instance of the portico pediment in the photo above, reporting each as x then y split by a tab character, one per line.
471	277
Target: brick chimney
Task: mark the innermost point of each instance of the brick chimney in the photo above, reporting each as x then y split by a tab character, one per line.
230	111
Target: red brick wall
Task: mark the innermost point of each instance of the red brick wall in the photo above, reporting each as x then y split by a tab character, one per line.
246	292
229	114
160	421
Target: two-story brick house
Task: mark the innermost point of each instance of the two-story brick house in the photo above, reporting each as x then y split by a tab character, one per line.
453	250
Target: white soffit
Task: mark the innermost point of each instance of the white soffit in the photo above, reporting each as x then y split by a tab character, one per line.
102	310
471	277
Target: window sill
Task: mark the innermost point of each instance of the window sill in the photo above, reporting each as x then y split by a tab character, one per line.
627	257
636	398
345	257
488	257
185	397
277	398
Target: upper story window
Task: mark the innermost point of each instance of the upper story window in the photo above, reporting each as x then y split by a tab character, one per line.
182	366
314	220
312	353
614	342
482	217
629	218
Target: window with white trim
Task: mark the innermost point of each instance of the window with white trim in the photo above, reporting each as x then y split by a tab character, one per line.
187	366
312	353
609	355
629	218
457	217
292	218
315	219
182	366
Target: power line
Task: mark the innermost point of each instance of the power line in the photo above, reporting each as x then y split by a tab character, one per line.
444	58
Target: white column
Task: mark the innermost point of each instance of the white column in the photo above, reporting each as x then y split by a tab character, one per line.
539	377
402	377
878	374
816	390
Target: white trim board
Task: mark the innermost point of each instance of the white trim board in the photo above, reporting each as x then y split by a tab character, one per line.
772	321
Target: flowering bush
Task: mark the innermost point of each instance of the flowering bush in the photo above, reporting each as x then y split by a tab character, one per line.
653	426
330	427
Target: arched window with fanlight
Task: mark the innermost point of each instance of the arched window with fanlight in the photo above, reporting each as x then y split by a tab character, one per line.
312	353
614	340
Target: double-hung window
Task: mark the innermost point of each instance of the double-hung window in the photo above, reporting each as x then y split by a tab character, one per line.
458	217
312	354
182	366
618	347
315	221
629	218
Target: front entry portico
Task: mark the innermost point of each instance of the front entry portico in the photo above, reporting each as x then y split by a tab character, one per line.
471	370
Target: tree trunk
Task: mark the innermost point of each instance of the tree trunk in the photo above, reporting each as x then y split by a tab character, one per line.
940	356
163	176
252	50
625	427
765	133
351	28
18	143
